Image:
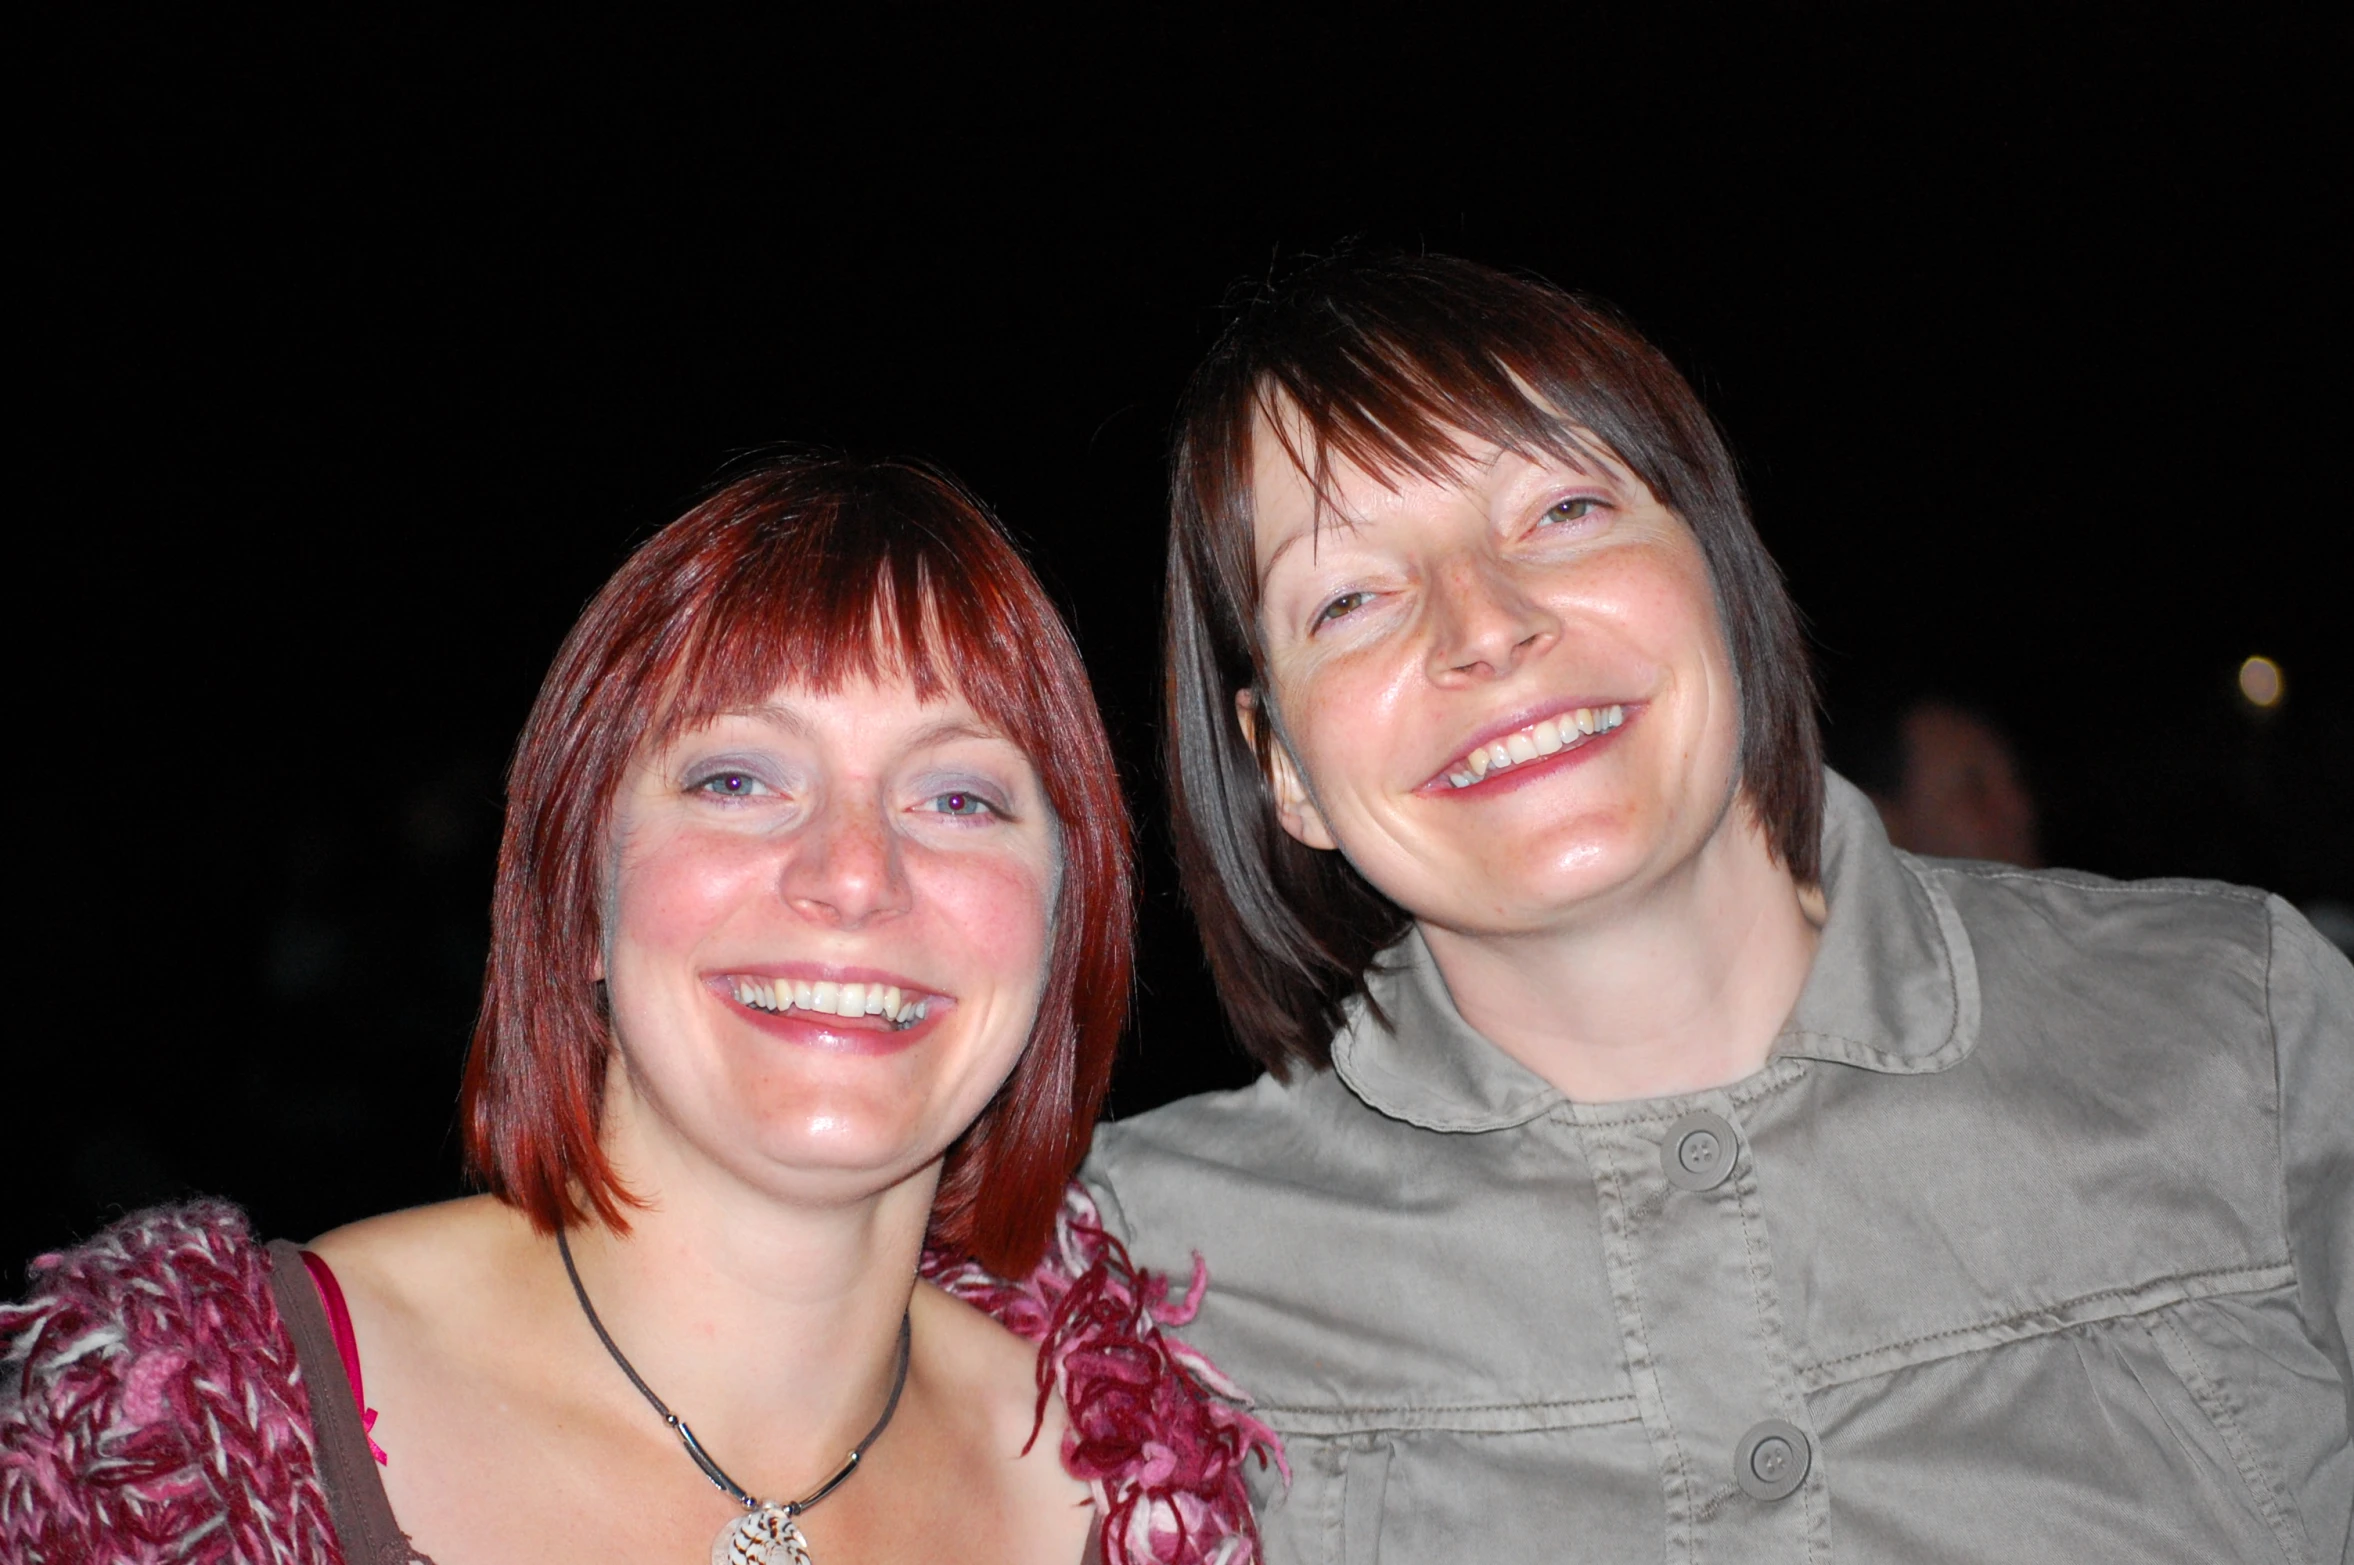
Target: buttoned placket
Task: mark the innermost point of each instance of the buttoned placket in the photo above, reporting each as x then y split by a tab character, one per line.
1687	1244
1691	1270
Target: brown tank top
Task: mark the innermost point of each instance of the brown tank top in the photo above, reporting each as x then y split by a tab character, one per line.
364	1523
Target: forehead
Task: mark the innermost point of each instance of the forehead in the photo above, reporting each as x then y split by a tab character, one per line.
1291	499
884	705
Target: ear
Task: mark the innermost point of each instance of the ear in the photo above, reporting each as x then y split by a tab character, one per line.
1295	811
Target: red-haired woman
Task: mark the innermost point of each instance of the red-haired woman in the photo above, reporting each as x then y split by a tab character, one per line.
810	948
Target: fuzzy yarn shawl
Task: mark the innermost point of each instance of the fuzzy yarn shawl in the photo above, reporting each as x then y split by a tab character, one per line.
152	1408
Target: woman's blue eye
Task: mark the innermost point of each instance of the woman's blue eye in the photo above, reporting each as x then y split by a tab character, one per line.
963	803
730	785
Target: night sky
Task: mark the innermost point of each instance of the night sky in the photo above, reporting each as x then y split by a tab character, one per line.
357	356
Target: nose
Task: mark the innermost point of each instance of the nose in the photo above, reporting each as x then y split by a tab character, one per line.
844	869
1483	626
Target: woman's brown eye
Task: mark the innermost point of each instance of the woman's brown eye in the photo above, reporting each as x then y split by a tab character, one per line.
1574	509
1346	603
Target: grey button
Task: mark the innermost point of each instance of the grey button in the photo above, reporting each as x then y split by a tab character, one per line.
1699	1152
1772	1459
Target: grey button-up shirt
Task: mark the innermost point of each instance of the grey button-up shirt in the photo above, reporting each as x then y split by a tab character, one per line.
2036	1236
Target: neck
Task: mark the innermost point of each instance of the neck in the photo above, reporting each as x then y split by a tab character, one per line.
737	1307
1678	989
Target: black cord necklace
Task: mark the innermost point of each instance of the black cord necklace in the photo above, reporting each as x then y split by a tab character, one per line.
767	1535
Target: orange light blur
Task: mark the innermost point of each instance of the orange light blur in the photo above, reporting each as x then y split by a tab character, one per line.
2261	682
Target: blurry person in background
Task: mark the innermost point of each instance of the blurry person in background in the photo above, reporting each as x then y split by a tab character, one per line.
1947	782
810	951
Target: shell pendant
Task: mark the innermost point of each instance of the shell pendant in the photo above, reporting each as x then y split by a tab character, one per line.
767	1536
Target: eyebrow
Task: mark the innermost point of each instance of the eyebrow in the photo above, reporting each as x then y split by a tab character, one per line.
1326	517
1281	550
949	728
1597	465
1323	506
938	732
772	712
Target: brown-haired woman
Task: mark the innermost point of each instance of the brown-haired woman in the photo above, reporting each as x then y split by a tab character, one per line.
1652	1160
810	950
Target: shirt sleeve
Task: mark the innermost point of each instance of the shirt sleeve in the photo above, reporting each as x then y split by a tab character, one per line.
2310	993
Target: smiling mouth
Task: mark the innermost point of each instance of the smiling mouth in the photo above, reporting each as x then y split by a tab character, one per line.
1533	743
895	1008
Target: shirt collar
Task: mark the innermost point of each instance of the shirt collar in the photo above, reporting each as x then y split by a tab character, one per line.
1894	988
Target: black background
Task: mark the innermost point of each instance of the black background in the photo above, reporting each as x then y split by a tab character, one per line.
355	357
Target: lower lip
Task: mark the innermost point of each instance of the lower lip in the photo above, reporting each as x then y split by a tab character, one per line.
1524	772
835	1034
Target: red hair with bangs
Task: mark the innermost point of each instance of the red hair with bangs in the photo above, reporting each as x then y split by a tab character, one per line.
812	572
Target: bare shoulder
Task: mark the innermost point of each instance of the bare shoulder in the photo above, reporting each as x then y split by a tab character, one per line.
431	1238
990	1377
984	1368
405	1269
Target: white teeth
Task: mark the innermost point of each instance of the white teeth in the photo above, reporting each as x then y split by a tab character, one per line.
754	993
791	994
1538	739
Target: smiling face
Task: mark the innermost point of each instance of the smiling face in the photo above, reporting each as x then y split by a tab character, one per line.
826	938
1508	696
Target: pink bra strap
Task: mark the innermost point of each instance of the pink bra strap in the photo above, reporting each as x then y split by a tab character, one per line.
347	1346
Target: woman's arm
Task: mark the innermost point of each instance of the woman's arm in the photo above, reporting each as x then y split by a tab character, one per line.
2310	995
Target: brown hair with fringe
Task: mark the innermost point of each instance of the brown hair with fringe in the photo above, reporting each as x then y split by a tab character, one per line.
1388	361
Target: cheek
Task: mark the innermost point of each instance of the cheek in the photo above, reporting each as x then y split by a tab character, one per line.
1345	715
1663	605
1656	594
995	912
667	896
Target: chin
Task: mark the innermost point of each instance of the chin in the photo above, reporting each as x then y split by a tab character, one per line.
889	1131
1560	873
833	1164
